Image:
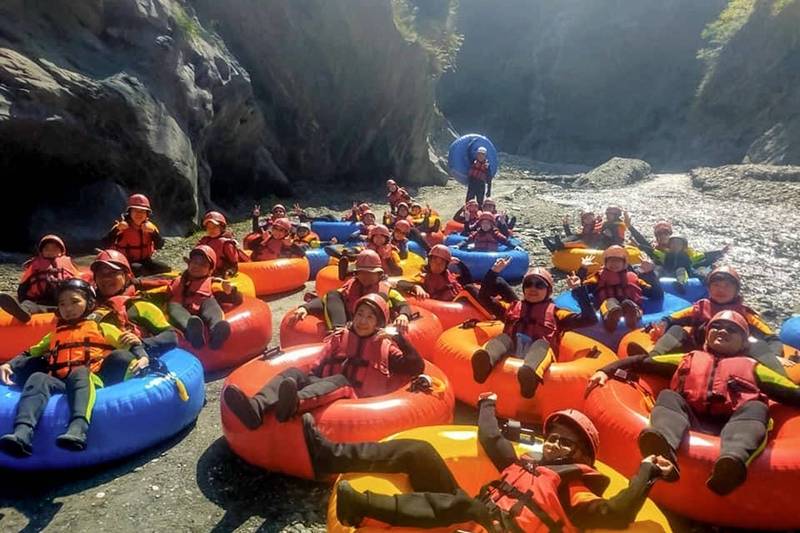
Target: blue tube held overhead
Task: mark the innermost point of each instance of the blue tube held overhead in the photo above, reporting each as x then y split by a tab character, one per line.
462	153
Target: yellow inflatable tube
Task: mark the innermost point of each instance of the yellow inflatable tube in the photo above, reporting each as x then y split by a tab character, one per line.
569	259
459	447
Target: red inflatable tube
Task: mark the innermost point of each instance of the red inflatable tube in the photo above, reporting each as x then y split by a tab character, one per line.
767	500
453	227
281	447
450	313
251	331
564	382
423	331
16	336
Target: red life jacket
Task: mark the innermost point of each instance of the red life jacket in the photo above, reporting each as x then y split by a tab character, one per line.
537	321
228	253
527	496
364	361
352	290
191	293
43	276
704	310
479	171
400	195
716	385
269	248
135	243
485	241
620	285
80	344
115	309
444	286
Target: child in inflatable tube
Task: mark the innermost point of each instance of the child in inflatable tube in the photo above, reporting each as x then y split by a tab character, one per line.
274	243
559	492
79	356
724	294
118	304
138	238
587	237
39	283
718	387
304	237
367	222
612	232
657	250
359	361
501	220
220	239
195	300
487	238
424	219
468	216
618	291
533	326
396	195
338	306
402	220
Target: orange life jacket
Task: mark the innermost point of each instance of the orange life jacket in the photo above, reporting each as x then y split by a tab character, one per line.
191	293
79	344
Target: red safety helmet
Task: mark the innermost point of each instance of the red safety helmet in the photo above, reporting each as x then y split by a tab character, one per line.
367	212
54	239
614	209
489	201
588	217
282	223
378	304
207	252
485	215
727	272
369	261
578	420
391	182
402	204
215	217
542	274
472	202
362	207
734	318
112	258
403	225
379	229
441	251
615	251
139	201
662	226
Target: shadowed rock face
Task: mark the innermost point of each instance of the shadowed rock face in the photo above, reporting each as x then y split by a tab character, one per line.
101	98
677	83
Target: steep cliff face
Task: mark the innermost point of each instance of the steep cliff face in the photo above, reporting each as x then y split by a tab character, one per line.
99	98
749	103
578	80
346	95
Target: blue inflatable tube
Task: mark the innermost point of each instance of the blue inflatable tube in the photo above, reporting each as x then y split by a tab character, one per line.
454	239
694	289
790	332
317	259
462	153
479	263
127	418
328	230
654	310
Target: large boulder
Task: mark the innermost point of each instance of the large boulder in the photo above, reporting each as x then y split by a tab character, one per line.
616	172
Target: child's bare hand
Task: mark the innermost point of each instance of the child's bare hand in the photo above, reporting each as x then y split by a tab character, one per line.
646	267
130	339
6	374
626	217
573	281
401	322
257	210
420	293
566	219
587	261
500	264
140	365
299	315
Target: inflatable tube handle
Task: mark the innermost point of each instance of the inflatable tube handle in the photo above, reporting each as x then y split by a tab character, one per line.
271	353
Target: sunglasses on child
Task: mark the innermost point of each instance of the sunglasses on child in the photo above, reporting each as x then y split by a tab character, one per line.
535	283
564	442
722	326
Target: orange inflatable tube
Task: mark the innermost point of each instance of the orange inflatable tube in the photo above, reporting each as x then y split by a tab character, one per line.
450	313
451	226
564	382
423	331
472	468
767	500
16	336
278	275
281	447
251	331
